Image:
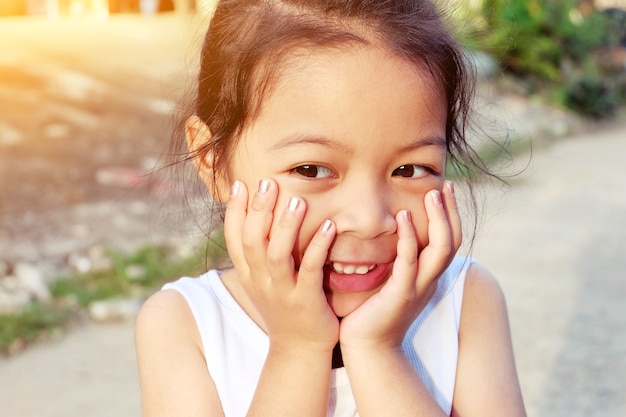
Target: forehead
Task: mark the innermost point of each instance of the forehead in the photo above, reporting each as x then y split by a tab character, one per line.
361	90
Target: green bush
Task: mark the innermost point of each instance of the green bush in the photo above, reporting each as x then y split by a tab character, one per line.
552	46
592	96
539	38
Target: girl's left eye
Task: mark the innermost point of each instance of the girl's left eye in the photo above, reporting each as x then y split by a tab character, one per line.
313	171
410	171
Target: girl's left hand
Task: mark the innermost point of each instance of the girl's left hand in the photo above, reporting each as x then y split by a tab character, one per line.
383	320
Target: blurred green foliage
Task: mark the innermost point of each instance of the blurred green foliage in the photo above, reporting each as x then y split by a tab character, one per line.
33	323
540	38
553	48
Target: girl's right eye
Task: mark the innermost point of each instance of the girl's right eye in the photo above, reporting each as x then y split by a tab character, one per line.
313	171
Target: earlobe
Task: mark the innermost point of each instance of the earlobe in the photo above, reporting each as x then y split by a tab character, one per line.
198	135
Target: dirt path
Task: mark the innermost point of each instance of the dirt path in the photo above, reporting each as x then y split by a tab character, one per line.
557	245
89	372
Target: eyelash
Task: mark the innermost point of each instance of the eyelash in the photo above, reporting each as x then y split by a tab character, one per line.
303	170
312	171
424	170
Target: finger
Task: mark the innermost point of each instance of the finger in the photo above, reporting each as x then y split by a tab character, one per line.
452	211
282	241
311	271
439	252
405	266
234	218
257	224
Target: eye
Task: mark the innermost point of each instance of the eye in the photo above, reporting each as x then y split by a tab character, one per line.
313	171
411	171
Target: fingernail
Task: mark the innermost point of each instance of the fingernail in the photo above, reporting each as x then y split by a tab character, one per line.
293	203
326	225
264	185
407	216
436	197
234	190
450	186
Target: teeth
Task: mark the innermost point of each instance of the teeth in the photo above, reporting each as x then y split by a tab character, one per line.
351	269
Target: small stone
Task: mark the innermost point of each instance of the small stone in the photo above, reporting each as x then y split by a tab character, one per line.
32	281
135	272
114	310
81	264
99	260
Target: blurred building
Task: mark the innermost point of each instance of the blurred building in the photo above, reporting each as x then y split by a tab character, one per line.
54	8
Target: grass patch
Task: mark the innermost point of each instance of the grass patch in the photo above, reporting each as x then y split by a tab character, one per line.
137	274
131	275
34	323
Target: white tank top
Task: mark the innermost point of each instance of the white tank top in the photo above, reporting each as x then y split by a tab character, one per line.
235	347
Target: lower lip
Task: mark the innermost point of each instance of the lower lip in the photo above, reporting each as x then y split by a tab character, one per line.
356	282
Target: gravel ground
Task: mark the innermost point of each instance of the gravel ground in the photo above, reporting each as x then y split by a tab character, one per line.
84	107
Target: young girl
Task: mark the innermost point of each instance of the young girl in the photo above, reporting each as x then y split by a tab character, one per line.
326	128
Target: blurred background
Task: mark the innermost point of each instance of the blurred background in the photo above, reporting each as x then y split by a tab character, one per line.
89	226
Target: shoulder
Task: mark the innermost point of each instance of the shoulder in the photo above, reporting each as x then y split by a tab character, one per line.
162	308
482	291
166	317
486	382
172	370
484	306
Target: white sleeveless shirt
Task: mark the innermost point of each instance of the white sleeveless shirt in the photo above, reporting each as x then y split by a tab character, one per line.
235	347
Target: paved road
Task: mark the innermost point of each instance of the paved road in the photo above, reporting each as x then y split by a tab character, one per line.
558	245
555	240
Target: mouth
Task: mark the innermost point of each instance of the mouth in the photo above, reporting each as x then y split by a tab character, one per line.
347	277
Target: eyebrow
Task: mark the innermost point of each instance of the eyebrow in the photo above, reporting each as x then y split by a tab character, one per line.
310	140
438	141
297	139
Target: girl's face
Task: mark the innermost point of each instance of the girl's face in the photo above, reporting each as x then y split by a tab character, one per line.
359	135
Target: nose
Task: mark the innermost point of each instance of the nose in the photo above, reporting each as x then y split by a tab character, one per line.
365	211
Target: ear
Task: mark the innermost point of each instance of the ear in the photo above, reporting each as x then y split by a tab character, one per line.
198	135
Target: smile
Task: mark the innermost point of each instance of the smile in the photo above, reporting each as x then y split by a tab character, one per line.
348	269
352	278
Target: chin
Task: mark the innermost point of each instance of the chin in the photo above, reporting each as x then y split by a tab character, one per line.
345	303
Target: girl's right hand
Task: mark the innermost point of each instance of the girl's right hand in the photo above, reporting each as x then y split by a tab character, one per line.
291	302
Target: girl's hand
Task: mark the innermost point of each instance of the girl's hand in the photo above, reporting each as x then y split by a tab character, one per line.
292	303
383	320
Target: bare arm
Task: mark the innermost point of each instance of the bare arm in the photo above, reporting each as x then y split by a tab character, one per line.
385	383
175	381
487	383
172	371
